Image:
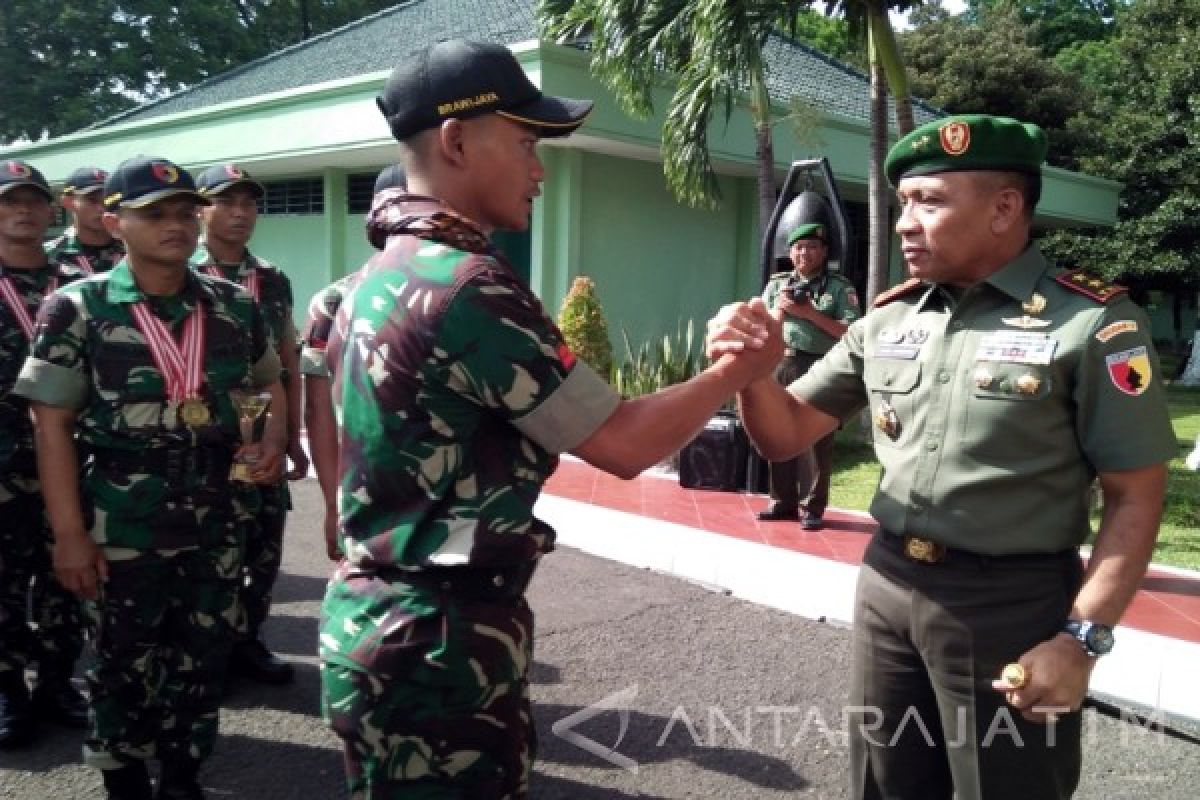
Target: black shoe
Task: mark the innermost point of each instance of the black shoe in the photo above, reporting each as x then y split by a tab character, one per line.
812	522
251	659
776	512
59	701
130	782
16	718
180	780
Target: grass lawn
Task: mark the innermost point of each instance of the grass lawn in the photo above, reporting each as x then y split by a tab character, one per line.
856	474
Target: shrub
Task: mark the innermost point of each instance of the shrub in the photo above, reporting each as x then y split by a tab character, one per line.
581	320
658	364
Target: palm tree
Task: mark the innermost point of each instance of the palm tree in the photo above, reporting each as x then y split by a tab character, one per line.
713	47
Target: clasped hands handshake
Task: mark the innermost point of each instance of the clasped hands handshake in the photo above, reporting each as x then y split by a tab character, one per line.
747	337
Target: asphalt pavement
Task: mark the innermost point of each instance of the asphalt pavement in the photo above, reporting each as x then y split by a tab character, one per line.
645	686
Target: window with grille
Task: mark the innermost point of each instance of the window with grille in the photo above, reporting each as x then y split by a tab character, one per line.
299	196
360	189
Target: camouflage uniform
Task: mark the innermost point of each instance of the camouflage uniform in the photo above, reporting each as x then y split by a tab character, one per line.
158	501
90	260
456	393
41	623
264	542
322	310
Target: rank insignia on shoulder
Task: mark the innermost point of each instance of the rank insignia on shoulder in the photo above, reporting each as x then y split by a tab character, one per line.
1090	285
908	287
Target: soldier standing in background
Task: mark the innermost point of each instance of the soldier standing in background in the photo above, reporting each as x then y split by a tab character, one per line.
319	418
40	622
818	306
140	363
86	244
229	224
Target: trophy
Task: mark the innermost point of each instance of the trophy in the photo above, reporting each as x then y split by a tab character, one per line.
250	405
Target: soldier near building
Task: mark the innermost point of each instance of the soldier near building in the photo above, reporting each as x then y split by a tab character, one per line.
456	394
140	363
319	418
229	224
87	244
817	306
41	626
1000	388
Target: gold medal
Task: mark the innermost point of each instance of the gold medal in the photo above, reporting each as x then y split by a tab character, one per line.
1028	384
194	413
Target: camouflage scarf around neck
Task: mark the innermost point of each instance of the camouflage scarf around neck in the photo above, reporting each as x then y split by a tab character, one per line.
394	211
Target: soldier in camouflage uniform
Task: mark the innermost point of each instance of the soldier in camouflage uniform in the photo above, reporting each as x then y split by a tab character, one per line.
40	622
456	393
818	306
86	244
228	226
141	362
318	401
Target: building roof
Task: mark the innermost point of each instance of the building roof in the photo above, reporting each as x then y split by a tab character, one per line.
377	42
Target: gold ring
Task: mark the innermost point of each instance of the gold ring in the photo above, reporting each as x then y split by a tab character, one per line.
1014	675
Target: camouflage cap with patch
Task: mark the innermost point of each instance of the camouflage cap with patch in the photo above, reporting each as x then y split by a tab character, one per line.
968	142
142	180
14	174
811	230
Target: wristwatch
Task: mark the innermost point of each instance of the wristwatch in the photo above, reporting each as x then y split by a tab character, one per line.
1096	637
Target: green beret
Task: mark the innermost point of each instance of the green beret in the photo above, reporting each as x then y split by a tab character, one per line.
967	142
811	230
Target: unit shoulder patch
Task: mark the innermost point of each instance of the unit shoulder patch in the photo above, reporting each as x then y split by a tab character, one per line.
896	292
1089	285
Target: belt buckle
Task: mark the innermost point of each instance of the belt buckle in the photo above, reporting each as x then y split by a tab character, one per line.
924	550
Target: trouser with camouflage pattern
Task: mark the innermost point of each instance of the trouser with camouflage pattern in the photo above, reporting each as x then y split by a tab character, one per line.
261	560
40	622
404	739
163	631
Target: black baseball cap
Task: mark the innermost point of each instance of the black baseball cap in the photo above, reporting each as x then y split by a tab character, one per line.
461	79
85	180
15	173
223	177
391	177
142	180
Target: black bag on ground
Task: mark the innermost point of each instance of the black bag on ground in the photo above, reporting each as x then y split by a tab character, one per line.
717	457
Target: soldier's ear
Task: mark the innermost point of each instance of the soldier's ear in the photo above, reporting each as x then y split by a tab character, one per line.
112	223
1008	209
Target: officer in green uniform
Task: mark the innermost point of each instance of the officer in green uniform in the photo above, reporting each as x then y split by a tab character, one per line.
87	244
229	224
40	622
1000	388
817	307
140	362
456	393
319	420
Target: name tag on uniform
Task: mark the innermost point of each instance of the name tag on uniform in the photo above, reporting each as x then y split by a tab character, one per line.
905	345
1017	347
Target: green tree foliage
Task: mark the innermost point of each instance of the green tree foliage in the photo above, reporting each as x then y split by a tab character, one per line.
831	36
70	63
993	67
1150	129
1057	24
581	320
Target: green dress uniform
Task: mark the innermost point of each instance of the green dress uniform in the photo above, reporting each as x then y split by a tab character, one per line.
40	622
157	500
832	294
995	407
264	541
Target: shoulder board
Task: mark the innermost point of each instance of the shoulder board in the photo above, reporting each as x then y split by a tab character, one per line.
908	287
1089	285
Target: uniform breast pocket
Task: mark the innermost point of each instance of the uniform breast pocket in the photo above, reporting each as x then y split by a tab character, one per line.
127	368
891	392
1010	412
